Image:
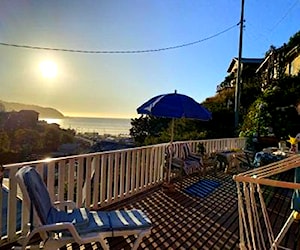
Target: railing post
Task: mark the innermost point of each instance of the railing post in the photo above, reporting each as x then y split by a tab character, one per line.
1	198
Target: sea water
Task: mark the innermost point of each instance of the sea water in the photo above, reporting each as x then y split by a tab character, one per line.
102	126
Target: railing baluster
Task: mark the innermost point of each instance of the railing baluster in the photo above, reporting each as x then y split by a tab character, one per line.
150	178
116	182
88	176
128	173
12	205
133	171
96	187
109	178
80	171
122	174
103	179
1	200
71	180
51	179
61	180
142	172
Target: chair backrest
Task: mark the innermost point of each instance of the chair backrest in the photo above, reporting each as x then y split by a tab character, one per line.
185	150
36	189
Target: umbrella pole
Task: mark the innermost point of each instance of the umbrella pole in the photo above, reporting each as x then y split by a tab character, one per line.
171	150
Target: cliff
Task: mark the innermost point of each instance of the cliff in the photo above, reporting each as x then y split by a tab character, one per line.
44	112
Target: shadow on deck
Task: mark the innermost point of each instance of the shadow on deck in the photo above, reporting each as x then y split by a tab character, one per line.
182	221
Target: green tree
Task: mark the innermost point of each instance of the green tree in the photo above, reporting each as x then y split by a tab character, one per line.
67	136
4	142
51	139
222	108
276	109
26	141
148	130
2	107
147	126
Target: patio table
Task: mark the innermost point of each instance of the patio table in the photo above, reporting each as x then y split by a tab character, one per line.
228	160
269	155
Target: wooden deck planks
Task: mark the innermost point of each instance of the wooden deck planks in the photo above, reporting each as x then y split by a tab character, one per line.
181	221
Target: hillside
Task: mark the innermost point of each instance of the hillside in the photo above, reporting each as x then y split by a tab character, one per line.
44	112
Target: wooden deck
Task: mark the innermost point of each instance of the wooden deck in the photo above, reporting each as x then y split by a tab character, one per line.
181	221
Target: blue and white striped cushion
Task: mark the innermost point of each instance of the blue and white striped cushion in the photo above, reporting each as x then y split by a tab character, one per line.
118	220
79	217
128	219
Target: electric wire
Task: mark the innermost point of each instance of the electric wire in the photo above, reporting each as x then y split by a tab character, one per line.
284	16
119	51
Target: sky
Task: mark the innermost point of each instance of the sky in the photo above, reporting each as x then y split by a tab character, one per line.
115	84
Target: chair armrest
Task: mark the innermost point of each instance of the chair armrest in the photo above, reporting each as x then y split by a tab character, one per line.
196	156
54	228
69	204
177	162
60	226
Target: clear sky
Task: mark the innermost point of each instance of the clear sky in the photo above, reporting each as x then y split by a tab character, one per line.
115	84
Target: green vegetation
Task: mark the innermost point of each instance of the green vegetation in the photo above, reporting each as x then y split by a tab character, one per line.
272	112
276	110
23	144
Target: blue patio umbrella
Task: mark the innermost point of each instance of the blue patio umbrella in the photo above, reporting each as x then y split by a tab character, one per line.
173	106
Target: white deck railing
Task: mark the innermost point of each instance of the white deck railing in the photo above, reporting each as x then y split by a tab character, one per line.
92	180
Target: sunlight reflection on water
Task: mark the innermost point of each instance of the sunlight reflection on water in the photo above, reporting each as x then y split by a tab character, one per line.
112	126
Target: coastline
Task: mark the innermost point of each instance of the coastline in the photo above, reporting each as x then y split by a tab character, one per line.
94	125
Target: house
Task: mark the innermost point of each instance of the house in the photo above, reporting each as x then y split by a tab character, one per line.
21	119
278	62
293	61
248	68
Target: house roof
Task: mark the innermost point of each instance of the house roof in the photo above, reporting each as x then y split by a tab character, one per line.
244	61
264	62
292	52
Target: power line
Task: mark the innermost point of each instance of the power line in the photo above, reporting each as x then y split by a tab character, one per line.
284	16
118	51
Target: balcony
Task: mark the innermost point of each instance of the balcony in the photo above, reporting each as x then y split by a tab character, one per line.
132	178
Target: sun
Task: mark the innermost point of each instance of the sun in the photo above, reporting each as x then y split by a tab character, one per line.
48	69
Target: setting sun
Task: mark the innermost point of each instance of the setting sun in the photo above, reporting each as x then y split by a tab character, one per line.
48	69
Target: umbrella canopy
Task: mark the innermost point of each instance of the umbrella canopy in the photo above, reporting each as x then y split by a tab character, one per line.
174	105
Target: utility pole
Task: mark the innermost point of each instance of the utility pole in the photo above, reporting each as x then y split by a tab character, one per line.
238	77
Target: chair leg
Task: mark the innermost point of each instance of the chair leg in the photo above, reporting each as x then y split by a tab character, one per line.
284	230
139	239
104	243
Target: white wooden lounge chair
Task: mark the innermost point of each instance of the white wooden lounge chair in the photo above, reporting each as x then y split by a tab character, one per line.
58	228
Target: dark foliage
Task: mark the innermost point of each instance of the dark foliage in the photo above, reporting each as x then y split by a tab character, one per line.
147	126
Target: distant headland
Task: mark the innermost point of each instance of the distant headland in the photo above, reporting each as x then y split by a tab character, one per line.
44	112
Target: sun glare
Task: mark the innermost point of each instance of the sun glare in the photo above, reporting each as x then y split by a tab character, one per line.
48	69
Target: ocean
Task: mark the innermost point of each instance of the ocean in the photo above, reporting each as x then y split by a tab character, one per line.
103	126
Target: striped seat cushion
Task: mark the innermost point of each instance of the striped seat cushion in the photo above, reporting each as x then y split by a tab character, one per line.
128	219
117	220
79	216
